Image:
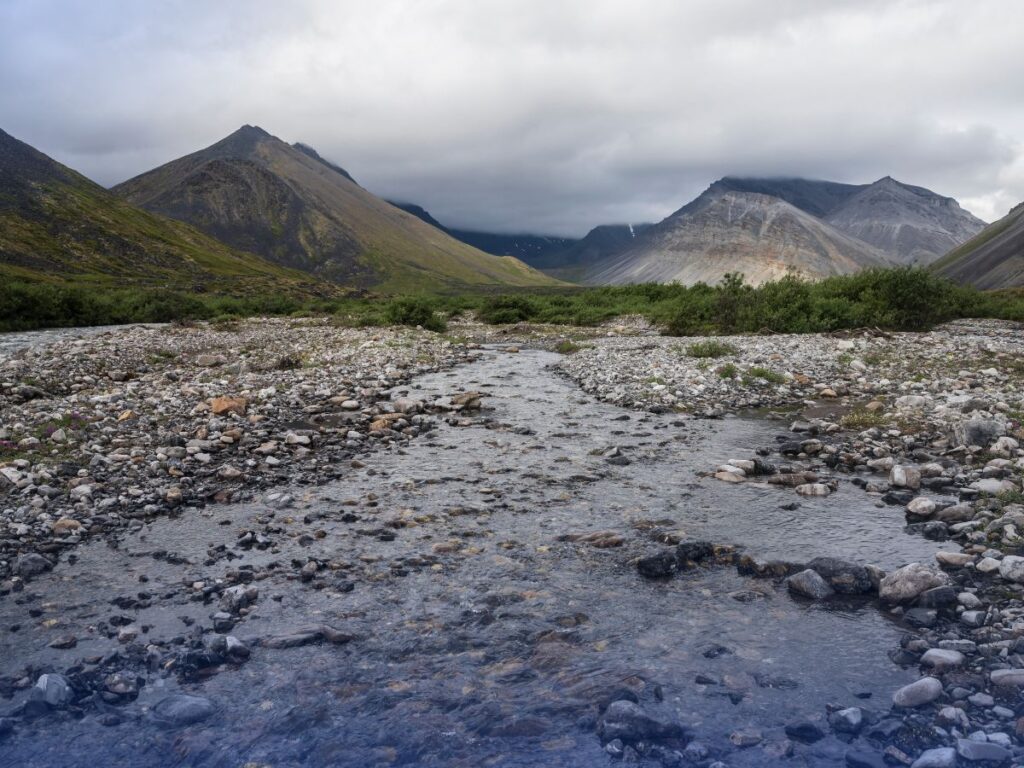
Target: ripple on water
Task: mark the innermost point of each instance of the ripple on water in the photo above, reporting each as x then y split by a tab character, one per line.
501	654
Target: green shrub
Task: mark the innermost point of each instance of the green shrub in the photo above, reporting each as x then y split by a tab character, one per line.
415	312
710	349
504	310
727	371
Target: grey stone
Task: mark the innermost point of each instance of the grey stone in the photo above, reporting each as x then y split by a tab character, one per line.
182	709
630	722
919	692
809	583
941	757
982	751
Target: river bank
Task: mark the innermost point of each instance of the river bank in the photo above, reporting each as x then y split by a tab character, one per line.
470	585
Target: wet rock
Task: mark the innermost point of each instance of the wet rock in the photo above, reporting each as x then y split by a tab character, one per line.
53	689
918	693
746	737
906	583
628	721
694	551
31	564
809	583
980	432
807	731
844	577
849	720
182	709
659	566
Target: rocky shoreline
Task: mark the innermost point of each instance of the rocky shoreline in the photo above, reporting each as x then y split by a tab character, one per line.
102	432
105	434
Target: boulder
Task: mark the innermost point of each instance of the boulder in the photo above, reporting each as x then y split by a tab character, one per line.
182	709
906	583
222	405
918	693
1011	568
905	477
844	577
31	564
628	721
659	566
940	757
809	583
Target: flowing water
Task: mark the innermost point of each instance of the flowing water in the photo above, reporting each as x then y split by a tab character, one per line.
483	635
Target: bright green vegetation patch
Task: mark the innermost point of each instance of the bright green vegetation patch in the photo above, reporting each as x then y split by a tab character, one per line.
728	371
567	347
897	299
710	349
861	419
764	374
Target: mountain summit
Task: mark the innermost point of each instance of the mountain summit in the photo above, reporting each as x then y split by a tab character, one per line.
722	231
286	203
57	224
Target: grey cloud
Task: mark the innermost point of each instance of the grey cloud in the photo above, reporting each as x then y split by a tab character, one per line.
535	116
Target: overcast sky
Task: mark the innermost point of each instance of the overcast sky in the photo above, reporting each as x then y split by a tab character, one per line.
535	115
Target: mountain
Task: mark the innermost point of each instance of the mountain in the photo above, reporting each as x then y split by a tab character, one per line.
992	259
531	249
55	224
762	236
286	203
911	224
818	198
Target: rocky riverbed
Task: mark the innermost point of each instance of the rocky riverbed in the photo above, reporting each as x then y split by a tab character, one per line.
284	543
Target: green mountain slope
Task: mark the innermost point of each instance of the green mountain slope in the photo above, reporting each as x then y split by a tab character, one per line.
992	259
56	225
286	203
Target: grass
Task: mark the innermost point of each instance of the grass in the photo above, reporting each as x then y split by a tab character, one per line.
710	348
566	347
772	377
896	299
861	419
728	371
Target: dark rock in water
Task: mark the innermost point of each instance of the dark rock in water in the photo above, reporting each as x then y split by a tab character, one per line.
715	650
807	731
844	577
31	564
778	682
849	720
182	709
628	721
694	551
764	467
809	583
790	448
774	569
940	598
658	566
921	617
898	498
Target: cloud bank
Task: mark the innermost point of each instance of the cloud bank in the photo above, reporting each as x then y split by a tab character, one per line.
535	116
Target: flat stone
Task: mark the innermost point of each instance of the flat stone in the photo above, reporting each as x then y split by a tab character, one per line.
1010	678
182	709
1011	568
982	752
941	660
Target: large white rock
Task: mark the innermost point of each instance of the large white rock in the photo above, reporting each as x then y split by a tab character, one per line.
902	476
906	583
919	692
1011	568
921	507
940	659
